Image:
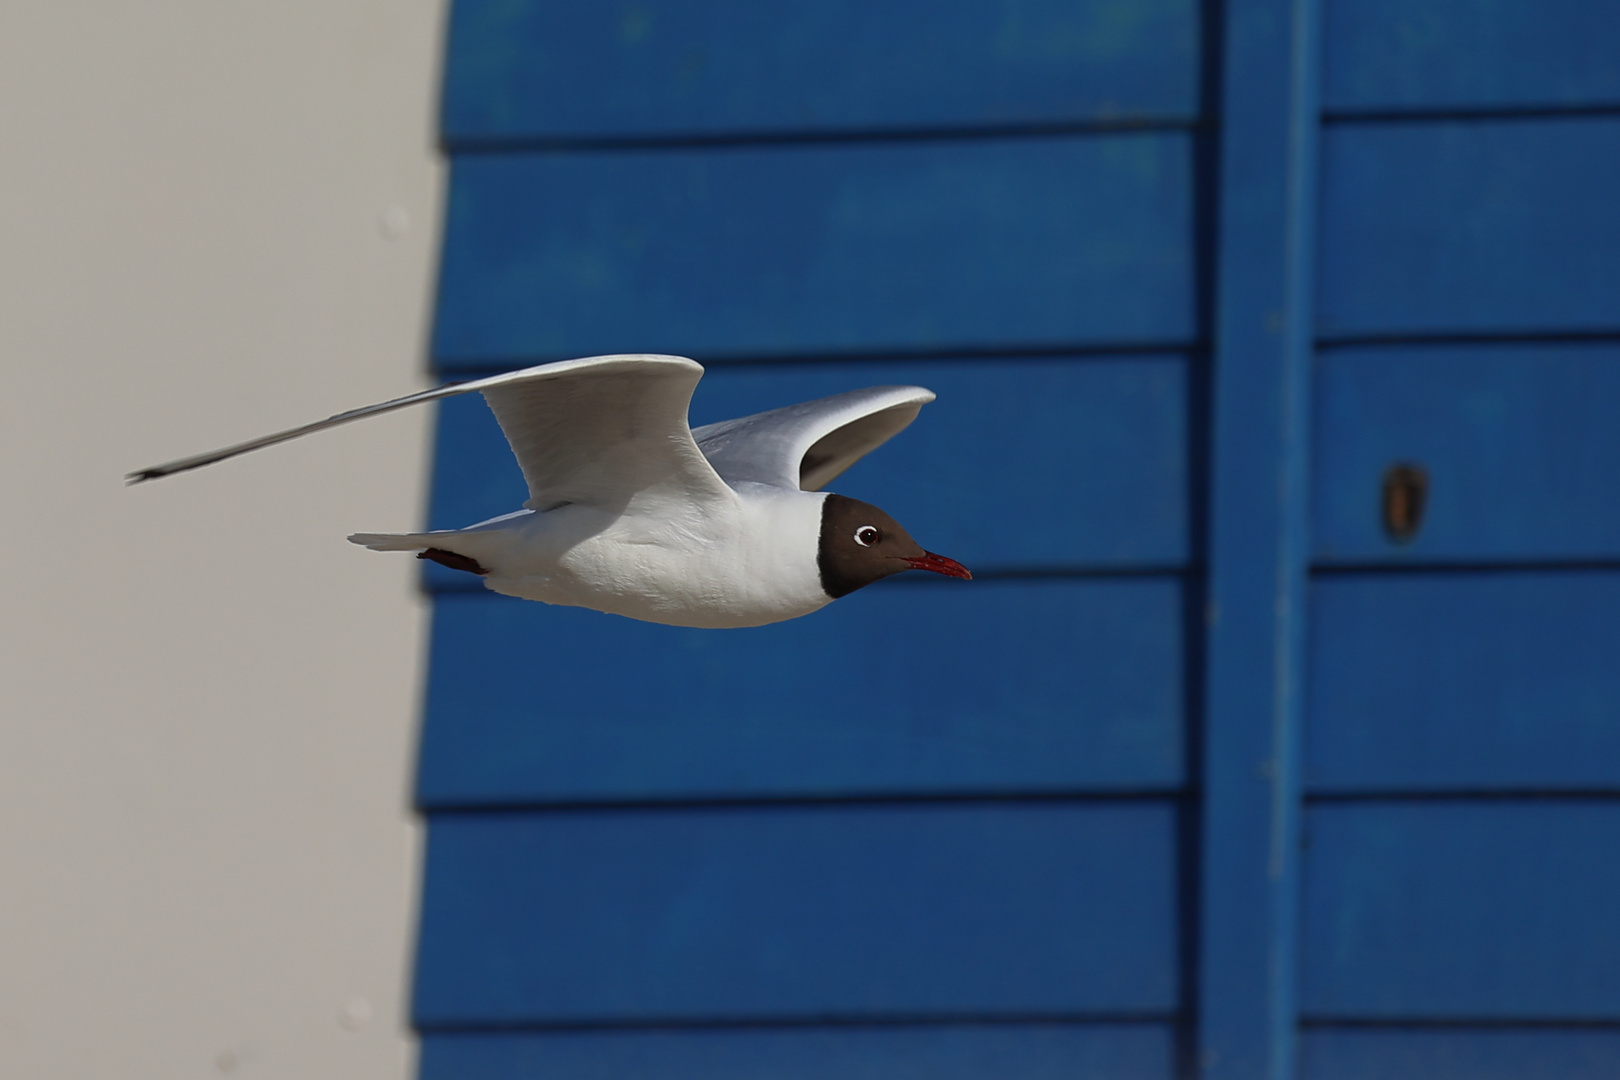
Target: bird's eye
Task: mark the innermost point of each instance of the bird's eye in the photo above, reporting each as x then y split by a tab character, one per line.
866	536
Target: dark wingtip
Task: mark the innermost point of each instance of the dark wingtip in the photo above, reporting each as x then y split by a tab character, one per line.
157	472
454	560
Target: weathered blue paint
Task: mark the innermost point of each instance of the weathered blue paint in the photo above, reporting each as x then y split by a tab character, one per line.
1519	441
818	248
939	1051
1463	1052
1257	540
1490	909
1511	55
1451	681
753	913
959	690
1049	823
1505	226
684	68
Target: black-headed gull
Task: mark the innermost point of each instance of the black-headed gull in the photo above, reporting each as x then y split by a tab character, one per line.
632	512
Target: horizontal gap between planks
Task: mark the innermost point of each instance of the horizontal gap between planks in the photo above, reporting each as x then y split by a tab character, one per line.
1467	113
851	800
1329	342
1526	793
468	369
829	1020
1455	567
1031	573
1456	1023
913	581
535	144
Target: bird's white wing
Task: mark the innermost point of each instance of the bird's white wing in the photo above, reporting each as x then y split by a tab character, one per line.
602	430
597	430
807	446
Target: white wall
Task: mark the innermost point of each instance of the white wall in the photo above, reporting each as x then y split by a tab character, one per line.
217	218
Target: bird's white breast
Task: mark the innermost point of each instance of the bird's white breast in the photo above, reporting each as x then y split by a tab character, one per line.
747	562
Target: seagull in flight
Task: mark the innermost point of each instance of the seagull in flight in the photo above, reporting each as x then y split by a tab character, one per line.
632	512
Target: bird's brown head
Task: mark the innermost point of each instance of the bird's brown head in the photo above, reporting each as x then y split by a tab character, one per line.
861	544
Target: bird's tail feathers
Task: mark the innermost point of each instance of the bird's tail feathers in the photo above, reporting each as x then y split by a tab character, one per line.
399	541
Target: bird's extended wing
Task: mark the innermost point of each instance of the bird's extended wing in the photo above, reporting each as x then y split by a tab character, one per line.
597	430
602	430
807	446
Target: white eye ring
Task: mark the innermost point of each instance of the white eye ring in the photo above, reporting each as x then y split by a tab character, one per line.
867	535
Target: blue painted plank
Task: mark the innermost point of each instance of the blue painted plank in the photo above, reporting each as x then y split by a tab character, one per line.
991	686
1468	227
1142	1051
1448	54
1459	1054
1520	444
1014	909
1257	529
1020	463
533	69
1497	909
817	248
1454	681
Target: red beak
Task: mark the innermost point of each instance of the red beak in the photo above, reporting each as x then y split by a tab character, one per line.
939	564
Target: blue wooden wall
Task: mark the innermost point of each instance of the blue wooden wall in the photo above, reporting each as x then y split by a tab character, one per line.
1205	773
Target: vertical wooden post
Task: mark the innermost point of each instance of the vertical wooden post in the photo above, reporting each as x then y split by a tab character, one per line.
1258	554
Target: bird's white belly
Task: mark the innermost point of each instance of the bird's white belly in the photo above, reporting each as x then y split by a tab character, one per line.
751	567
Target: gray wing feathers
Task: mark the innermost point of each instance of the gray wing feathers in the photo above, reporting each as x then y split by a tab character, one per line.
196	461
595	430
603	435
809	445
605	428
